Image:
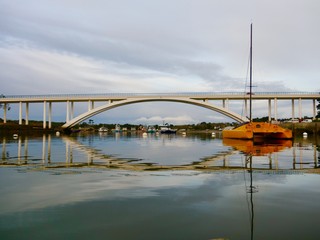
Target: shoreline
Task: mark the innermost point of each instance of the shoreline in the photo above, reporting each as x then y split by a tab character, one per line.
15	128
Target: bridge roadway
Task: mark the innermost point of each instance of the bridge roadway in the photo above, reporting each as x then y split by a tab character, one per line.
119	99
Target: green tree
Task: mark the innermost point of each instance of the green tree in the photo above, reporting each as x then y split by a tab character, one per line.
2	105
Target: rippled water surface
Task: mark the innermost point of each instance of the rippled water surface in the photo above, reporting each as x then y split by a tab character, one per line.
125	186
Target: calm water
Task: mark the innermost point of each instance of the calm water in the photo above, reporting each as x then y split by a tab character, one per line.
126	186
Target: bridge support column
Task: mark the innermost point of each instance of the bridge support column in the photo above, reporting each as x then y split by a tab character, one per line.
300	109
27	113
44	115
67	114
90	105
225	103
4	113
292	103
269	110
72	109
275	110
314	109
50	115
20	113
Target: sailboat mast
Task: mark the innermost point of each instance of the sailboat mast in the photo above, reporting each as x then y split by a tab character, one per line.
250	116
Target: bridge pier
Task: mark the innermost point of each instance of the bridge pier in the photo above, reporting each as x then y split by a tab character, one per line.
4	113
27	113
292	102
314	109
275	110
269	110
225	103
50	115
72	109
90	105
300	109
20	113
44	115
68	114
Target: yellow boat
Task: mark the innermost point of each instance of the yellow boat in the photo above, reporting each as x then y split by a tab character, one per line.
253	130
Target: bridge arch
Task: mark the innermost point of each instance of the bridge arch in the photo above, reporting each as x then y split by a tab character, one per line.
108	106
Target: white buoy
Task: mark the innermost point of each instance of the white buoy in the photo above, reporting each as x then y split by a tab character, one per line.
184	133
305	134
213	134
57	133
15	136
144	134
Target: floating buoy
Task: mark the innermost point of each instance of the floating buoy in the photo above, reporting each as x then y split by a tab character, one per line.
305	134
184	133
57	133
144	134
15	136
213	134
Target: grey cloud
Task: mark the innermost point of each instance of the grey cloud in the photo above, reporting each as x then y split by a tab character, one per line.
81	46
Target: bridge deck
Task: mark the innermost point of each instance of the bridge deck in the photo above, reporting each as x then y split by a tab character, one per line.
123	96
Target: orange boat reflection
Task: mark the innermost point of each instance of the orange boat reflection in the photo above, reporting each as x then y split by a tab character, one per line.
258	148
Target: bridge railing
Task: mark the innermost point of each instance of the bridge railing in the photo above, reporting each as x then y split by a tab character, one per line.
180	94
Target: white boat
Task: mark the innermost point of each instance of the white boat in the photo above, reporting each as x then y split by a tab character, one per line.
167	130
103	129
117	128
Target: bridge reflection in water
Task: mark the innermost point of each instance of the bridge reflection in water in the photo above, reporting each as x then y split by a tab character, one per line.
265	157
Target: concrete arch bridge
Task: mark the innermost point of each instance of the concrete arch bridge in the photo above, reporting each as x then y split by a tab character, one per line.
111	105
114	100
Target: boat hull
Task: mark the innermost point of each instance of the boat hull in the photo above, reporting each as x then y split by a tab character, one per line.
256	130
168	131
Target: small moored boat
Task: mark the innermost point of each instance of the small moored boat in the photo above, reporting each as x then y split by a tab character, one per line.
167	130
103	129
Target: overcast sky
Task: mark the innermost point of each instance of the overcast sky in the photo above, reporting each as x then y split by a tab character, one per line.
97	46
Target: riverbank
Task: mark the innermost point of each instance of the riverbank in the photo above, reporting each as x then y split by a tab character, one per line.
15	128
300	128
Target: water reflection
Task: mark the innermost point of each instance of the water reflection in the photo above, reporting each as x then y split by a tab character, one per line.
301	153
277	155
232	183
254	148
